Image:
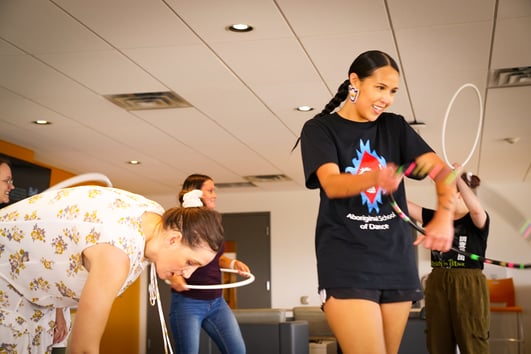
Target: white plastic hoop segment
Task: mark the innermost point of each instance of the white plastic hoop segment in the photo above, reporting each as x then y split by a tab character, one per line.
445	123
250	278
86	177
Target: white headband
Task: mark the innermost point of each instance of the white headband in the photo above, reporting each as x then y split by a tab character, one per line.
192	199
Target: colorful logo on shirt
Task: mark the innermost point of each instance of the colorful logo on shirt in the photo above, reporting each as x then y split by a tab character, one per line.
366	161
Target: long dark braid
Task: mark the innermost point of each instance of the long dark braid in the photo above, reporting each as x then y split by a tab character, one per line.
341	95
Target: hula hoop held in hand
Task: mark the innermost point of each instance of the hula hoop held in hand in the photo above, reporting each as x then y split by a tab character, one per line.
250	278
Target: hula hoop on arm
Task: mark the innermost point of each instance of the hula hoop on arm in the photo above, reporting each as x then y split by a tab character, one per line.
86	177
250	278
445	122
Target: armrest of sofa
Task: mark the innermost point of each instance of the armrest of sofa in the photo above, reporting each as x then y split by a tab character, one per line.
289	337
294	337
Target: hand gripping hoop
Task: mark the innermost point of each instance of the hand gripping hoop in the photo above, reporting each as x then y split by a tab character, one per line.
249	280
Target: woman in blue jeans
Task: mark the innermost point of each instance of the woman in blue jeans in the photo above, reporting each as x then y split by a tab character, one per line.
193	309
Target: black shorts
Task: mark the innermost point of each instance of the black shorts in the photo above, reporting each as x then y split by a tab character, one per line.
377	295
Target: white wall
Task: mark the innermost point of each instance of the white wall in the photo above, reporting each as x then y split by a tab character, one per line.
293	216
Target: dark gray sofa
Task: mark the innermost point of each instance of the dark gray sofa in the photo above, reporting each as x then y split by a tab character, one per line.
277	331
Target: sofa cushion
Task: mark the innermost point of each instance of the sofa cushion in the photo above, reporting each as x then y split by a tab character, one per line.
259	315
316	320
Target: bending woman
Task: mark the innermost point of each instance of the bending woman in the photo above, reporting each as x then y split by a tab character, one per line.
83	246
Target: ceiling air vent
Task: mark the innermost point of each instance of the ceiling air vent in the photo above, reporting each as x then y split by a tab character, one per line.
510	77
253	181
267	178
235	185
148	100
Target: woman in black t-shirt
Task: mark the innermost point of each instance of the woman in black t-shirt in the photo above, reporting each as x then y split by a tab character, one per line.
365	255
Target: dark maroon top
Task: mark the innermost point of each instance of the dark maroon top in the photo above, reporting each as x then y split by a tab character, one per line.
206	275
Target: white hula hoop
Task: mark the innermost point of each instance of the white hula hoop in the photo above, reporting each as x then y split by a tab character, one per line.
249	280
86	177
445	123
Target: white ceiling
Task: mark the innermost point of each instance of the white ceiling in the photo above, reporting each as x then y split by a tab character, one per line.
59	58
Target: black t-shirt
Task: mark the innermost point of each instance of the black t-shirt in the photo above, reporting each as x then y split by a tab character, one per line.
467	237
360	242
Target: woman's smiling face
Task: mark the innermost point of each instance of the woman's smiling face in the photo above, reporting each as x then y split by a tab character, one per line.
6	183
209	194
376	93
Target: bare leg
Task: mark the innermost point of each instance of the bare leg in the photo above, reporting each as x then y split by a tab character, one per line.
394	317
357	325
365	327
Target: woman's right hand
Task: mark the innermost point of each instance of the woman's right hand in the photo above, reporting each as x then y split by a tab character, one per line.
388	179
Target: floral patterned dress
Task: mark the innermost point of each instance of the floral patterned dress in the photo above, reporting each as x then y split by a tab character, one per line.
41	243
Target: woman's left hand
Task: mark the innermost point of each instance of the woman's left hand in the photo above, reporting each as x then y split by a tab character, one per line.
60	330
241	267
438	237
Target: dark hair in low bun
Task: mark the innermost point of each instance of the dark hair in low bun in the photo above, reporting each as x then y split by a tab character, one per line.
471	180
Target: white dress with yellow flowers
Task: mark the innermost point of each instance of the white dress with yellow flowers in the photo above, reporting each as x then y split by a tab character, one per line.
41	243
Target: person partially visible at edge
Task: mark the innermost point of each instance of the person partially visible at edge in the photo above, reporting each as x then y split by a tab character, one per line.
62	323
6	181
57	249
193	309
366	264
457	295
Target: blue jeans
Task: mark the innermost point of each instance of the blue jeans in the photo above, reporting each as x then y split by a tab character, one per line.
188	316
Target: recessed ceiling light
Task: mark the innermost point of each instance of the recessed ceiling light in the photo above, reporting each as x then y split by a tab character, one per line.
133	162
304	108
240	27
42	122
